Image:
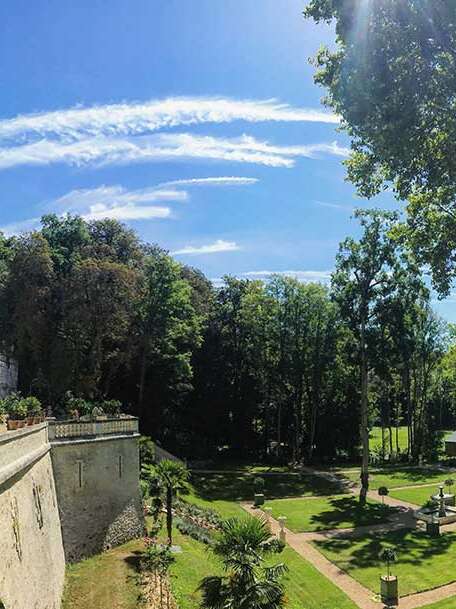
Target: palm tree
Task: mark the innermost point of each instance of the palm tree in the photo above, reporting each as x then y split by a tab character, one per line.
243	545
173	477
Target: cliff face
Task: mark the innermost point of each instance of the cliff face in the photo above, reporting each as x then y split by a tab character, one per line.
8	376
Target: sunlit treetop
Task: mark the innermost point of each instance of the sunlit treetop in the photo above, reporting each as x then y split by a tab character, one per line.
392	79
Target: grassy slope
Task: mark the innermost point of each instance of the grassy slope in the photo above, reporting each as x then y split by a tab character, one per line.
342	511
423	562
106	581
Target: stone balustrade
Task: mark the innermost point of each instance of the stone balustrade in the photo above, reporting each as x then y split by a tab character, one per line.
77	429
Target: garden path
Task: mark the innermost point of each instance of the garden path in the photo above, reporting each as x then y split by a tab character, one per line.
359	594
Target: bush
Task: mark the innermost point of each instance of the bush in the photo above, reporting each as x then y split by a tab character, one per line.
146	451
73	404
15	406
186	527
111	407
258	485
33	406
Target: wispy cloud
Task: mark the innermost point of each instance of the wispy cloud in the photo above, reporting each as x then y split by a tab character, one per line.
214	248
338	206
217	181
302	275
127	212
160	147
79	200
146	117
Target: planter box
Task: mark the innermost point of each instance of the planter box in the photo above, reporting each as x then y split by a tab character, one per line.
259	499
389	590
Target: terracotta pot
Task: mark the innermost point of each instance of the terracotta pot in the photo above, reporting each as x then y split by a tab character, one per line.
13	424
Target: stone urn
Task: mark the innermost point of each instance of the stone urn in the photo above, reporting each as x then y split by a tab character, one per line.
389	590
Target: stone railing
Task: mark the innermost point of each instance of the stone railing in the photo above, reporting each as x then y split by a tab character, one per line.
66	430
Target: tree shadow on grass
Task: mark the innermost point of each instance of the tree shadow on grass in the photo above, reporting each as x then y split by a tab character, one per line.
240	487
348	510
412	547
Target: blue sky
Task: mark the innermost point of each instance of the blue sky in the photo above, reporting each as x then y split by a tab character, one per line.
196	122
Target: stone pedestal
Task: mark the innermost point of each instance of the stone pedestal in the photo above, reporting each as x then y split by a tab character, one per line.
433	529
259	499
389	590
282	534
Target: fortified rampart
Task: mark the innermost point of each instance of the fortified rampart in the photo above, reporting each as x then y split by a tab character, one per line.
32	563
67	490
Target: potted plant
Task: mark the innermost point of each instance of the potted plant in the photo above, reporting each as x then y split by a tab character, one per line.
34	410
388	583
17	412
112	408
383	492
258	485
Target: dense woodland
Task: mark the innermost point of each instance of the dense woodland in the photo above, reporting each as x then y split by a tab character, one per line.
251	369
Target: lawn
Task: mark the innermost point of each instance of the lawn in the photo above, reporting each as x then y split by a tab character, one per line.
423	562
230	486
375	438
418	496
341	511
399	476
105	581
305	586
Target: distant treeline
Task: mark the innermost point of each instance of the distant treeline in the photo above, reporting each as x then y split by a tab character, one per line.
249	369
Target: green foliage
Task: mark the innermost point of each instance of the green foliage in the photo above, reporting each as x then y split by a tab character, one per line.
242	547
173	477
18	407
391	79
157	559
33	406
258	484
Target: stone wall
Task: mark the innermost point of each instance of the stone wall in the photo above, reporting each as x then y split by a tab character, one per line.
97	482
8	376
32	563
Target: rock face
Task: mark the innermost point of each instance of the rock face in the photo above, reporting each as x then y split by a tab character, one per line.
63	500
8	376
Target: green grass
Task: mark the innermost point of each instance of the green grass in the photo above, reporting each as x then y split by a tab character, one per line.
375	437
417	496
423	562
230	486
399	476
105	581
305	586
342	511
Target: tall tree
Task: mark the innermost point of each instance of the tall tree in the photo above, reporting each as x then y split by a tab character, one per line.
363	275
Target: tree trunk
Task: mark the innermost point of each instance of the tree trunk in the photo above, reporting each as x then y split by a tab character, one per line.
169	514
364	418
